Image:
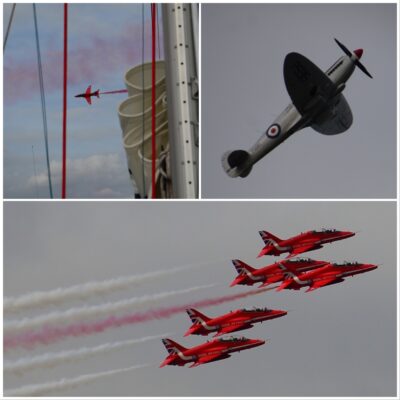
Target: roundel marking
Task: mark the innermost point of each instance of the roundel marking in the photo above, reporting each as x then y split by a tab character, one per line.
273	131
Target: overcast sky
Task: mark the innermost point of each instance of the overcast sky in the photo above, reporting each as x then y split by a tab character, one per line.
104	41
243	91
336	341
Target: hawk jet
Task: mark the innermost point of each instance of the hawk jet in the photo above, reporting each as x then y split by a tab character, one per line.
216	349
317	102
305	241
327	275
271	273
231	322
88	94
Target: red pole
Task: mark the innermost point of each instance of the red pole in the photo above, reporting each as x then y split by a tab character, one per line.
153	100
64	134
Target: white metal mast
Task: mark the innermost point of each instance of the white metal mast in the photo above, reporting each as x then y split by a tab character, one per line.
180	47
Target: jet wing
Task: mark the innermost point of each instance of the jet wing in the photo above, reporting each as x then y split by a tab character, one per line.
305	82
209	358
88	99
301	249
323	282
233	328
338	120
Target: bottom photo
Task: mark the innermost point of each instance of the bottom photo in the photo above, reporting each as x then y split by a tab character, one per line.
260	298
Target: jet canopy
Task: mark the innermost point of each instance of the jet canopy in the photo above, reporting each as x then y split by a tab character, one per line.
325	230
300	260
346	264
233	339
255	309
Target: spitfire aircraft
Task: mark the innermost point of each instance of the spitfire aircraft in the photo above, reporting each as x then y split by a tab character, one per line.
272	273
234	321
88	94
213	350
317	102
324	276
306	241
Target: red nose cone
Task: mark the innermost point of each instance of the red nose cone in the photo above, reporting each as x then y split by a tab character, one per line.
358	53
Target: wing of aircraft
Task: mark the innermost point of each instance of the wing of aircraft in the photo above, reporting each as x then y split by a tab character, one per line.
339	119
233	328
301	249
209	358
305	82
88	99
323	282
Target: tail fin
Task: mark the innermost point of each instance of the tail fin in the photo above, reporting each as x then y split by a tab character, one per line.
172	347
241	267
268	237
196	316
236	163
96	93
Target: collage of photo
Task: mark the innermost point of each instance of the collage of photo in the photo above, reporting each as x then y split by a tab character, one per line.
200	200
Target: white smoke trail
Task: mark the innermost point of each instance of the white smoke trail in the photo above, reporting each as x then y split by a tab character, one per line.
84	291
66	383
75	314
50	360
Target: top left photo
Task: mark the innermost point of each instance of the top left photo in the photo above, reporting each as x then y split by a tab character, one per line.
100	101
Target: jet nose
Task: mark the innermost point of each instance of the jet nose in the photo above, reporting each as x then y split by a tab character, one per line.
358	53
258	342
348	234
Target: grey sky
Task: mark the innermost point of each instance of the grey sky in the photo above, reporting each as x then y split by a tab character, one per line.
337	341
243	48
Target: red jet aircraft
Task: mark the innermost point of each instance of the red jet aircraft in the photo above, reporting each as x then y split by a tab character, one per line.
234	321
213	350
324	276
306	241
87	95
272	273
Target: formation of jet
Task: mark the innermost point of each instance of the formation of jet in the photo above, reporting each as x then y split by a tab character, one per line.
273	273
88	94
216	349
305	241
330	274
317	102
234	321
291	273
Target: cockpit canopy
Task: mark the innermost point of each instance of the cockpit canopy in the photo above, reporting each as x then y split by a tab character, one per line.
325	230
299	260
254	309
233	339
346	264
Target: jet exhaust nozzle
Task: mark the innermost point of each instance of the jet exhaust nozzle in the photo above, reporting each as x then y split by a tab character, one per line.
237	163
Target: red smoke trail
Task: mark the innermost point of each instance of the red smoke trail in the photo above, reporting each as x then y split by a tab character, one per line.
115	91
50	335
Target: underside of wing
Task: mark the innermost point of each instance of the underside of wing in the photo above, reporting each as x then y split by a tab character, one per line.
337	119
306	84
301	249
88	99
233	328
323	282
209	358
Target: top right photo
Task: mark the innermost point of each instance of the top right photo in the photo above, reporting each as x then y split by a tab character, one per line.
298	101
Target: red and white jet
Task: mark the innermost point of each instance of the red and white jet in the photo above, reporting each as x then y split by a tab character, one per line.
273	273
305	241
231	322
324	276
88	94
213	350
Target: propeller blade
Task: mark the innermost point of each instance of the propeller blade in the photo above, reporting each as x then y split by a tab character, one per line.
363	69
344	48
349	53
